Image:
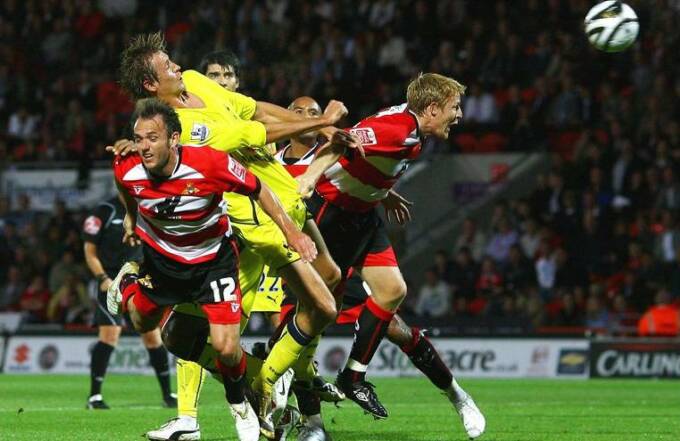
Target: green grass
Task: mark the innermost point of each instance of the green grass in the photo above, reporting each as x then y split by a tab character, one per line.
51	407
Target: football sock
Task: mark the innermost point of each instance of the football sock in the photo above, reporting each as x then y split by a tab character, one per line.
234	378
454	392
101	353
370	328
284	354
426	358
304	366
189	383
158	357
253	366
285	319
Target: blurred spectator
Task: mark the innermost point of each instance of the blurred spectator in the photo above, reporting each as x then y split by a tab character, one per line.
63	270
489	279
662	319
500	242
597	316
568	314
34	300
464	274
70	304
471	238
434	297
517	272
12	290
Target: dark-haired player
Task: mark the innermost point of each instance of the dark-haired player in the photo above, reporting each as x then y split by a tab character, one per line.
173	197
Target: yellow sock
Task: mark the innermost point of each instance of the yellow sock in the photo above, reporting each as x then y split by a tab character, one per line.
304	367
189	381
283	356
253	367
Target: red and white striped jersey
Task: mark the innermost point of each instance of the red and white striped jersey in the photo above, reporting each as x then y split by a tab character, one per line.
391	140
297	166
183	216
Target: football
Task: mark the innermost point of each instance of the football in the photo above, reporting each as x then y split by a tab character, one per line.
611	26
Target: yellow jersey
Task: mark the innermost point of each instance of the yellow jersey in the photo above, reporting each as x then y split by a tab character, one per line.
225	124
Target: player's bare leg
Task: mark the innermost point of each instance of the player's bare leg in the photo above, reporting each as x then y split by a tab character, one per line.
424	356
388	289
125	294
316	309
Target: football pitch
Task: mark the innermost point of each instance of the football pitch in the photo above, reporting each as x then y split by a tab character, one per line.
51	407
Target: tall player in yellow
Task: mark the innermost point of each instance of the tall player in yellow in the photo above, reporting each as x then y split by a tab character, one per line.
211	115
222	67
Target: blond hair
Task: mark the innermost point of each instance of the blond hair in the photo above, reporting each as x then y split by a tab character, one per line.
135	63
428	88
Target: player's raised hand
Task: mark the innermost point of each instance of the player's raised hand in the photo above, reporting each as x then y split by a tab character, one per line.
122	147
303	245
342	138
129	236
397	208
334	111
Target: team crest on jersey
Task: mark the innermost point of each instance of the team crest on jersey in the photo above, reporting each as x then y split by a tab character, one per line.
237	170
365	134
92	225
235	307
190	189
199	132
138	188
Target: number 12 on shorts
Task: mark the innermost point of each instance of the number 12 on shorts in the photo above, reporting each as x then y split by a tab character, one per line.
224	290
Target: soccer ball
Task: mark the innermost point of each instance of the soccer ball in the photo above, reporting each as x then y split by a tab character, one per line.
611	26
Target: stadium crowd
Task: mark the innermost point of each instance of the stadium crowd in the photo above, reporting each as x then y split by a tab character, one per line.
594	245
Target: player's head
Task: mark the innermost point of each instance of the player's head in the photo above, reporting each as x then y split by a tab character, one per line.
157	130
146	70
307	107
223	67
436	100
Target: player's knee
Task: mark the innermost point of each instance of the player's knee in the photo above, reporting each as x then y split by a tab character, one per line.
327	311
185	335
228	349
394	291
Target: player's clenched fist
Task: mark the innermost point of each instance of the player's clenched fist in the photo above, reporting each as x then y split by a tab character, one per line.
334	111
303	245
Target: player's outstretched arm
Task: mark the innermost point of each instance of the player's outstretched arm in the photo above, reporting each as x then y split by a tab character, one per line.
296	239
283	124
328	155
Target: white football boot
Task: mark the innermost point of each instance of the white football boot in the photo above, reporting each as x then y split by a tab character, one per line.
473	420
245	419
113	295
183	428
280	391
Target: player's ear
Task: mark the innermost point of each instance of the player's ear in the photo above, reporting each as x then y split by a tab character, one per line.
433	109
150	85
174	138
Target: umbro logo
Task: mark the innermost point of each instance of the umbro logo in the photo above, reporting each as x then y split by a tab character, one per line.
138	188
361	397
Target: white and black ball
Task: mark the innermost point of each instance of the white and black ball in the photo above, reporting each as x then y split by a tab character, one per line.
611	26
